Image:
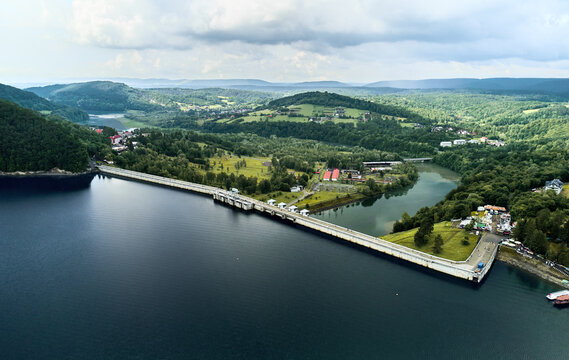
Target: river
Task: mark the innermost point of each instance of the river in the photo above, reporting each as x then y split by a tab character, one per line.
125	270
376	216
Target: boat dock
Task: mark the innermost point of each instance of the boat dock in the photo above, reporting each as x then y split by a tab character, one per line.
468	269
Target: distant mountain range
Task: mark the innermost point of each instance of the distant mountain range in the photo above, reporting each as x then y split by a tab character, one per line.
558	86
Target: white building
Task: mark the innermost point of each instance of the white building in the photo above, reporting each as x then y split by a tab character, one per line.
446	144
304	212
459	142
272	202
293	209
282	205
474	141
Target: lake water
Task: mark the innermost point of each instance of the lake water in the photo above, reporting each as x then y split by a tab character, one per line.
124	270
376	216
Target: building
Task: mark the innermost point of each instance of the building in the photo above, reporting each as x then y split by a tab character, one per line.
115	139
555	185
304	212
335	174
282	205
445	144
459	142
293	209
327	175
272	202
474	141
297	188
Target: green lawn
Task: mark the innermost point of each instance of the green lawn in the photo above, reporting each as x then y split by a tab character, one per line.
452	241
254	166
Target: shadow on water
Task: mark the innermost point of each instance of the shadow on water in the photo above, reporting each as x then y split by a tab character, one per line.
46	183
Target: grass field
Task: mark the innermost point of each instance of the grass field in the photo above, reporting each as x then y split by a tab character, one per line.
254	166
452	248
306	110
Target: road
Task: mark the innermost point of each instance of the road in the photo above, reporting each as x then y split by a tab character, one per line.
484	250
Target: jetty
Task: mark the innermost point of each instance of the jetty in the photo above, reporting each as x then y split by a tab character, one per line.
472	269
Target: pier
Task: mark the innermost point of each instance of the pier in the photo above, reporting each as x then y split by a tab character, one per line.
484	252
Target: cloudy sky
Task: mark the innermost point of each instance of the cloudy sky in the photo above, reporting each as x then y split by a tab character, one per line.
282	40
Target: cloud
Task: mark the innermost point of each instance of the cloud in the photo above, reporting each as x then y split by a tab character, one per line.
441	29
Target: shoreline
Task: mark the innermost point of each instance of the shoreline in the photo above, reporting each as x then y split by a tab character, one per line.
532	266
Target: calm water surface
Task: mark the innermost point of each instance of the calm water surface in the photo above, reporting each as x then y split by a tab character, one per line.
124	270
376	216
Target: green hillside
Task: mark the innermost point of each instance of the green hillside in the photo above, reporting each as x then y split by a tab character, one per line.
32	101
97	96
30	142
335	100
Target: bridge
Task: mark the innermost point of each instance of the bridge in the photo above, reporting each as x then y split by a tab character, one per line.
418	159
467	269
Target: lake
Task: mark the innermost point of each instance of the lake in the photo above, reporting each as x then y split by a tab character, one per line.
376	216
125	270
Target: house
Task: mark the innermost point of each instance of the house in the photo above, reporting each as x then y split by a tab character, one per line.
272	202
474	141
327	175
555	185
459	142
296	188
282	205
445	144
99	131
483	139
335	174
115	139
293	209
235	191
304	212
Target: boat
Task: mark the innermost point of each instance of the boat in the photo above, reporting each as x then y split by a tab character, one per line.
555	295
562	300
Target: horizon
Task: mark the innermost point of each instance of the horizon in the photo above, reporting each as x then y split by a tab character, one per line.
47	42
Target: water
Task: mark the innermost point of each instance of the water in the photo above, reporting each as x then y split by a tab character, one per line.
376	216
124	270
107	119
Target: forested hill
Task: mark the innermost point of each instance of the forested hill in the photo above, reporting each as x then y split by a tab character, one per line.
30	142
97	96
333	100
32	101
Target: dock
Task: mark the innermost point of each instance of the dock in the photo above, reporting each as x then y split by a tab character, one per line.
468	269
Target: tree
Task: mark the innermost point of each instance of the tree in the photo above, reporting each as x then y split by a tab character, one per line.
438	243
420	238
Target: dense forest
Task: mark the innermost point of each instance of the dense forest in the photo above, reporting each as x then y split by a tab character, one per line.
31	142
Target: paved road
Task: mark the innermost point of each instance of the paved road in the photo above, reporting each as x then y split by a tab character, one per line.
484	250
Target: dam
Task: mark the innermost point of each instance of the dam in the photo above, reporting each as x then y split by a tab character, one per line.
485	251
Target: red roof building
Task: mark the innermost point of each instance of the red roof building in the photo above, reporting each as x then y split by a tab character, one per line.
327	175
335	175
